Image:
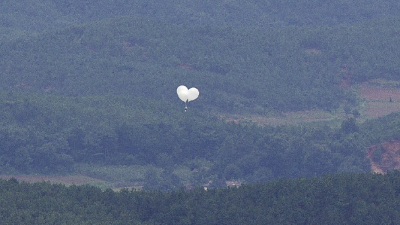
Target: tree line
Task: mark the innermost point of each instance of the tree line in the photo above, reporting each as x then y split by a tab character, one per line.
333	199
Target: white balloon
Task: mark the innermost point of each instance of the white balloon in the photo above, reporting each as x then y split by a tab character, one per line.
181	88
187	95
193	93
182	92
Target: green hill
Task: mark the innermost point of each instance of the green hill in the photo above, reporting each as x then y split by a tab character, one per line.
96	88
165	148
236	70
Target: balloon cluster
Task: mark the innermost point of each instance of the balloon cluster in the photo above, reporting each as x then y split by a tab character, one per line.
187	95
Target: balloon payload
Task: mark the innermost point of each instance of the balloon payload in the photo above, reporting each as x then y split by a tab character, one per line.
187	95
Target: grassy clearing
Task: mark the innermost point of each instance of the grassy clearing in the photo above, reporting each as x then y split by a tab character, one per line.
310	116
104	177
377	98
67	180
117	176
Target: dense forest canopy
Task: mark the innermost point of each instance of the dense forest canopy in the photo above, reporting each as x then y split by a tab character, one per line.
175	148
40	15
93	84
334	199
238	70
258	56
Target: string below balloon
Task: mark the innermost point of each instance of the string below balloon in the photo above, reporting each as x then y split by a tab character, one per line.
187	95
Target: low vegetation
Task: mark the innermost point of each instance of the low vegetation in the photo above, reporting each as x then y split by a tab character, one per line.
334	199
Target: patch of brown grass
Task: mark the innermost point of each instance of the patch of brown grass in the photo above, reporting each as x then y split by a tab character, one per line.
67	180
294	118
382	97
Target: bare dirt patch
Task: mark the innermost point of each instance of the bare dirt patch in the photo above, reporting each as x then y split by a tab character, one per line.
382	97
384	156
379	98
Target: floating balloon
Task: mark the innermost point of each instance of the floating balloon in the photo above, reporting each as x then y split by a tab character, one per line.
182	92
193	93
187	95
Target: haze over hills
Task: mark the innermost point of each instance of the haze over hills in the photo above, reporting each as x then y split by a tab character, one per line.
91	87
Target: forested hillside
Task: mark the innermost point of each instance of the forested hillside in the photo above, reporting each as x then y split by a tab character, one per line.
237	70
90	87
334	199
39	15
255	57
50	134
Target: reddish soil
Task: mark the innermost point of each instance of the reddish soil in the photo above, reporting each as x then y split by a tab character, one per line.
388	157
185	67
379	94
382	97
313	51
